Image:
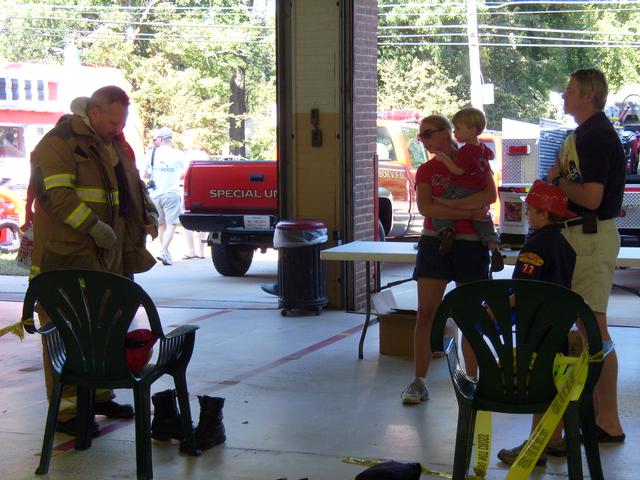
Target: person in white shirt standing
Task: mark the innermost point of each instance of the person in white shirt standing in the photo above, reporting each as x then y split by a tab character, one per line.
164	167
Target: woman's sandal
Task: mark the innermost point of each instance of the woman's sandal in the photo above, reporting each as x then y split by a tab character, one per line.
604	437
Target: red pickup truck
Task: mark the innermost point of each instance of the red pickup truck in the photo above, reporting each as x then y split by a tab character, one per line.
236	201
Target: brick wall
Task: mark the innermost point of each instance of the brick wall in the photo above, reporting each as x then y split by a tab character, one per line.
364	130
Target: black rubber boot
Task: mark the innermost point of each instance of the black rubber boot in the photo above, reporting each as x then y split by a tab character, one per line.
210	429
166	419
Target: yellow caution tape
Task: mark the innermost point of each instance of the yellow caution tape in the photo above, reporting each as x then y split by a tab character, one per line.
371	462
569	375
17	328
482	442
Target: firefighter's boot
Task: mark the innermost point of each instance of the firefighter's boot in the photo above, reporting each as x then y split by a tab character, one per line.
166	422
210	429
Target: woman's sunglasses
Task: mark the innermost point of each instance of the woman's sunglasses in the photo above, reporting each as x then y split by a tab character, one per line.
426	135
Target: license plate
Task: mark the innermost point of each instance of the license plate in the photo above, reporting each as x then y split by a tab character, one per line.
256	222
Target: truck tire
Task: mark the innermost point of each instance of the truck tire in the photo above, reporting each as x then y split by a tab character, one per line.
231	260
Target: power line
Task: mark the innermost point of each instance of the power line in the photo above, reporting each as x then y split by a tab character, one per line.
423	27
158	10
554	30
535	12
560	39
148	24
582	10
630	44
422	5
552	2
143	8
426	35
491	44
93	35
515	29
497	5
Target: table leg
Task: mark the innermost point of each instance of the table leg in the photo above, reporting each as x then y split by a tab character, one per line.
368	316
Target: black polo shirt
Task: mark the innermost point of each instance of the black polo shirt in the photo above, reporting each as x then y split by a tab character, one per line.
602	161
546	256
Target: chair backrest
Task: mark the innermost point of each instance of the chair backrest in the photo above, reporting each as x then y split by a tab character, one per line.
92	312
525	322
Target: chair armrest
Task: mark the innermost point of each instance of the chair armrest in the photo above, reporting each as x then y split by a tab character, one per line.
448	343
463	385
57	353
181	330
177	345
607	347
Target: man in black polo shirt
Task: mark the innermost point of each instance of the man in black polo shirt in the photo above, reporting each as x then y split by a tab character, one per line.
590	169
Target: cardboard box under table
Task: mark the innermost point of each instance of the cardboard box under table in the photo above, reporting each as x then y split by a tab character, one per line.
396	325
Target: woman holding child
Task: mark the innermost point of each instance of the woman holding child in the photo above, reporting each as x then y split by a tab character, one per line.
468	259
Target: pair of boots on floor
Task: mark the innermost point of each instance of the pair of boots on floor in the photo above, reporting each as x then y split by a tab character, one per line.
167	425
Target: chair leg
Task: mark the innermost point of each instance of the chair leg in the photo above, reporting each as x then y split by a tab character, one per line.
185	413
574	458
84	418
464	441
590	436
50	428
142	402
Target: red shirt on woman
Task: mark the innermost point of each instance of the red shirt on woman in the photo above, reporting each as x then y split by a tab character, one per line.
439	177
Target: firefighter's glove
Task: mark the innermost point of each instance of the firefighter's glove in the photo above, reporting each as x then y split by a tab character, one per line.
103	235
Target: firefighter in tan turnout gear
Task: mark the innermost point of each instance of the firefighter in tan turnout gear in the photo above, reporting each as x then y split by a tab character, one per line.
84	202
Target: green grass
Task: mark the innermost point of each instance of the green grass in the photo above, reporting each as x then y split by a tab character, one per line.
8	265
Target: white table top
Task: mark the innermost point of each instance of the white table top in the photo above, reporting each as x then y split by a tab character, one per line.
404	252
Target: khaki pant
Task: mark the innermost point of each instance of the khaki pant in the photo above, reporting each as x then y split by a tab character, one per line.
68	406
596	255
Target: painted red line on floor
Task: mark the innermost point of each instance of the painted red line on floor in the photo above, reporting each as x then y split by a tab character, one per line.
69	444
208	316
287	358
37	367
112	427
211	315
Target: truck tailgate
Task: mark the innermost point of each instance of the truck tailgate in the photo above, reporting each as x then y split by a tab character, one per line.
231	186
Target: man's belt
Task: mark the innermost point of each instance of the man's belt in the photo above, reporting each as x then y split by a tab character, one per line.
572	223
577	221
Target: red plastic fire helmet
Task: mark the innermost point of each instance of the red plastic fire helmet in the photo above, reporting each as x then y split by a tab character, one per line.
550	198
138	347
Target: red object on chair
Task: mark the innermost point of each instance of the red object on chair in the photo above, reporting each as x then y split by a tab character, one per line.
138	347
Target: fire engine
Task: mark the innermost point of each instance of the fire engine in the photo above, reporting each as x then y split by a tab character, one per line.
531	155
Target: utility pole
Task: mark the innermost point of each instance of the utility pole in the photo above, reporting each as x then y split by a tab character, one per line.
474	55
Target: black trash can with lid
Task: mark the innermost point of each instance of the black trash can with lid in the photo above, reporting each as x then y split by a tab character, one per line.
300	271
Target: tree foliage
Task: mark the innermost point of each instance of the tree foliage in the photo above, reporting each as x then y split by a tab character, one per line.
182	57
527	50
179	56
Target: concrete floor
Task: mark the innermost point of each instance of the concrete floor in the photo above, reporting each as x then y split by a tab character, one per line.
298	400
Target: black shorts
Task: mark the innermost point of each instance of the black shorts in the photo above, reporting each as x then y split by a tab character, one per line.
467	261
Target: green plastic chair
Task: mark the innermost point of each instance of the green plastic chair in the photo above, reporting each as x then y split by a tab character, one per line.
520	318
90	314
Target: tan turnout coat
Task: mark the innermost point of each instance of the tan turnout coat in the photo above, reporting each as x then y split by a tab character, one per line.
73	174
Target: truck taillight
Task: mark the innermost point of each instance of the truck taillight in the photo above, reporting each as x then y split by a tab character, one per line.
623	213
187	181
